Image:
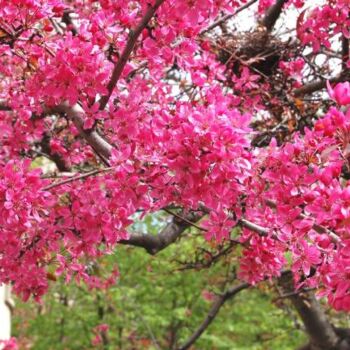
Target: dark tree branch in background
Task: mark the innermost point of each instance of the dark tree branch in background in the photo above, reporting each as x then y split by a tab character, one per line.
213	312
180	223
272	15
227	17
168	235
133	36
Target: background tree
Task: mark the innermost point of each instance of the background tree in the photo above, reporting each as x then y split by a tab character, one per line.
171	107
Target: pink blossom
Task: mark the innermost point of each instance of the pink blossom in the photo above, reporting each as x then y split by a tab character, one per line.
340	93
305	256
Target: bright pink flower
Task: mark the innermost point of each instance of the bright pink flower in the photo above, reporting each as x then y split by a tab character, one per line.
340	93
305	256
9	344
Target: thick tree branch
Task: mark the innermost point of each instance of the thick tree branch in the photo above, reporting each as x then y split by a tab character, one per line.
153	244
133	36
66	18
213	312
92	137
171	232
314	86
272	15
76	115
322	334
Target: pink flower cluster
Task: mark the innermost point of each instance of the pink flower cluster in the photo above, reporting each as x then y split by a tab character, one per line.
317	26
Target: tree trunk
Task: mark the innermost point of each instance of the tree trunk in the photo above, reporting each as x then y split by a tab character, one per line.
322	334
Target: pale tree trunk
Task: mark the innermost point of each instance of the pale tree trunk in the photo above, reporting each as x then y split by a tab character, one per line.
6	305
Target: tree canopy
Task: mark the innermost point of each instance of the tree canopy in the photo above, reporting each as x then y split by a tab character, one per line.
230	117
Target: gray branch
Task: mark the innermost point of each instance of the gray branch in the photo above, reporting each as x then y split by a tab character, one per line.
170	233
92	137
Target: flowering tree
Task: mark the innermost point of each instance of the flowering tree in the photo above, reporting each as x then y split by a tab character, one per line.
167	105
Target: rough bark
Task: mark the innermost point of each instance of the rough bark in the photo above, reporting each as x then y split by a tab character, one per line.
321	332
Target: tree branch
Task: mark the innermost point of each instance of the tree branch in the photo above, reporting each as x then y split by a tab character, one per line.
55	157
345	52
133	36
318	228
169	234
272	15
321	332
92	137
5	108
76	115
314	86
213	312
227	17
69	22
76	178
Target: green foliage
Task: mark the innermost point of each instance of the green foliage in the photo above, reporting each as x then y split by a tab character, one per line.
157	306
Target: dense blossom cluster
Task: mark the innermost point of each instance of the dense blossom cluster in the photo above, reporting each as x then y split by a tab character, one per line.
318	25
176	135
26	228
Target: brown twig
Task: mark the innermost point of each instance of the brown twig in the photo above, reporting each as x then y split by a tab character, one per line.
345	53
214	310
76	178
185	220
227	17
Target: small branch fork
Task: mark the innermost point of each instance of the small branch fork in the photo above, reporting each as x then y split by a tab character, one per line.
214	310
